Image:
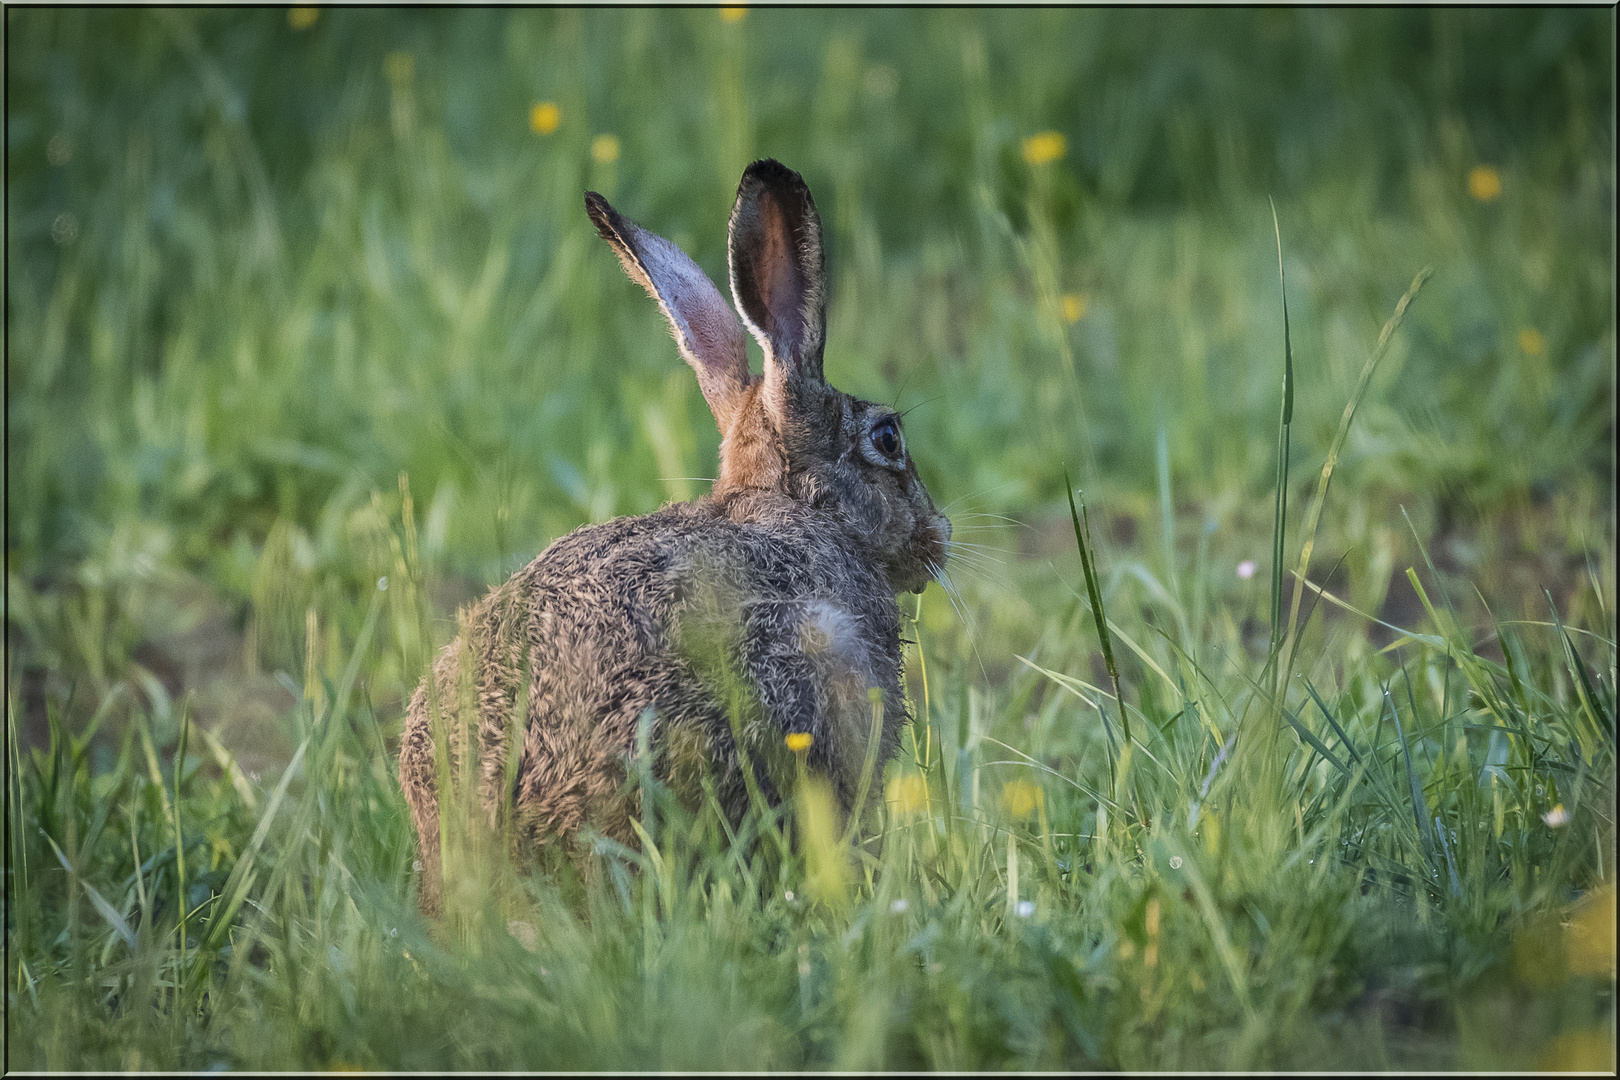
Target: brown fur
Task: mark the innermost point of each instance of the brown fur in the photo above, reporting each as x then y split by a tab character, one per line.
780	582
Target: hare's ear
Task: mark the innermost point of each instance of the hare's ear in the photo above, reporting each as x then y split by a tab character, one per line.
776	270
706	330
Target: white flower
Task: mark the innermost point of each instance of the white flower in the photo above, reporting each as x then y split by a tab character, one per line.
1557	816
900	906
1245	569
1025	908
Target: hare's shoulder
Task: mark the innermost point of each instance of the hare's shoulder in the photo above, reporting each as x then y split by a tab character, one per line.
765	539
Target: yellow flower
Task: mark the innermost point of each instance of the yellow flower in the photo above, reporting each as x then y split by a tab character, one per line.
1046	147
605	149
1484	183
908	793
1074	306
302	18
544	116
1020	797
798	741
399	66
733	14
1531	341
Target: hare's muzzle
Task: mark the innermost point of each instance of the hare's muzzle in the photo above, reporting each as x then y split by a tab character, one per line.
929	542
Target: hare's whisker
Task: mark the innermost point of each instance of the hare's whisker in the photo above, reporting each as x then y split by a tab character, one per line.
977	494
960	604
969	555
978	566
998	517
974	558
982	549
917	406
963	533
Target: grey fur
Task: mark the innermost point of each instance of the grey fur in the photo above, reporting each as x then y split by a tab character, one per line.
772	599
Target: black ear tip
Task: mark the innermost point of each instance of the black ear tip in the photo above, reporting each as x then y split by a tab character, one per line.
603	216
773	174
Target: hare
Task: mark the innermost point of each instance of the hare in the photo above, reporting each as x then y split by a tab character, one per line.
764	609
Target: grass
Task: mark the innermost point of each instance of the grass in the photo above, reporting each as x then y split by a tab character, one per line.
310	341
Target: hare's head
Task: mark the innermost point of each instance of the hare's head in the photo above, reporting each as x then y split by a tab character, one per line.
786	431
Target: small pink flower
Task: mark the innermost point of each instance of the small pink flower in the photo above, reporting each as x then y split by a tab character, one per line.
1245	569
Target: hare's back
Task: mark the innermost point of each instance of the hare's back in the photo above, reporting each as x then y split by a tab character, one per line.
608	610
634	568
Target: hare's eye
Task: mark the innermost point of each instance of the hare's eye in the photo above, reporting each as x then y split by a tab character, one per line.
886	438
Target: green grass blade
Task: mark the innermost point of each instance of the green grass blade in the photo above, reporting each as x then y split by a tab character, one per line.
1082	537
1593	705
1315	743
1279	525
108	912
1327	713
235	888
1313	516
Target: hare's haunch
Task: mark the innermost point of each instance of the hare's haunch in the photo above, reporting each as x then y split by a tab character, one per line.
765	609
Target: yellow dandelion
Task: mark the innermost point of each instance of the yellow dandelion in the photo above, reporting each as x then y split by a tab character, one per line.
799	741
1020	797
1484	183
399	66
1046	147
733	14
1531	341
544	116
302	18
908	794
1075	305
605	149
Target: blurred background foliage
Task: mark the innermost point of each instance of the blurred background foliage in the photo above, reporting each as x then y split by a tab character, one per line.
257	269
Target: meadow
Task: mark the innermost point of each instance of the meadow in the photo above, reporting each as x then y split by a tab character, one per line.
1264	361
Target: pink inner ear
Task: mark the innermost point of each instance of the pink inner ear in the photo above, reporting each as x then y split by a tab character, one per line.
776	273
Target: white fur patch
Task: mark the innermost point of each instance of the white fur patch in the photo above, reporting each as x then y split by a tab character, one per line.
828	630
